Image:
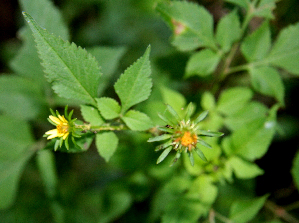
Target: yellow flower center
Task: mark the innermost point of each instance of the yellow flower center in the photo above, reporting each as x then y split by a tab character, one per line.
189	139
62	128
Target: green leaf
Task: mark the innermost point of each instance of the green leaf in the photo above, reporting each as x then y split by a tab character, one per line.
173	98
106	144
20	97
233	99
201	117
265	9
285	52
47	15
108	59
208	101
244	169
91	115
209	133
159	138
192	24
268	81
27	63
250	112
245	210
224	37
164	154
202	63
114	202
137	121
200	153
295	170
134	85
15	139
73	72
242	3
252	140
204	188
108	107
257	45
46	165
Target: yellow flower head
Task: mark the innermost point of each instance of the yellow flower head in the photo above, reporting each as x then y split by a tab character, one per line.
182	134
65	128
62	127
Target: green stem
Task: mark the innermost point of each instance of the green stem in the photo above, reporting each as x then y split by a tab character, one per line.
88	127
226	70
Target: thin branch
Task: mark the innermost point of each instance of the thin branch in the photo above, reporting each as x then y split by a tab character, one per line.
280	212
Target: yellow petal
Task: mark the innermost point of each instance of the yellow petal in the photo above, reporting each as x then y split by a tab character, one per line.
52	133
61	117
65	135
55	119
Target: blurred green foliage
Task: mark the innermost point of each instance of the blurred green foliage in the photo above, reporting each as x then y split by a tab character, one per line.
237	59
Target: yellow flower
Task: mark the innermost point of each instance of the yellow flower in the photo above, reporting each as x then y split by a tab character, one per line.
62	127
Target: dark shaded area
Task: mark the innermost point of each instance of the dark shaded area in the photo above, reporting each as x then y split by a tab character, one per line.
277	179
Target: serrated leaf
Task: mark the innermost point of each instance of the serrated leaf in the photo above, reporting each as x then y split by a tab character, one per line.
134	85
26	62
229	22
244	169
73	72
47	15
108	59
245	210
233	99
91	115
257	45
192	24
202	63
15	138
137	121
20	97
106	144
108	107
285	51
268	81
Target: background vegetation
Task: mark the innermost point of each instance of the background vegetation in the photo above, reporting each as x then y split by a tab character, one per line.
260	185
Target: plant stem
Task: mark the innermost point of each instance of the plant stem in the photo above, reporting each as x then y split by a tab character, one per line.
88	127
280	212
226	70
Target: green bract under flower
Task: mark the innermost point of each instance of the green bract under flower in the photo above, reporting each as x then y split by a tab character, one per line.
65	127
182	135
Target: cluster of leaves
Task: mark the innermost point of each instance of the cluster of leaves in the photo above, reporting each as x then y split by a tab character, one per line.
212	185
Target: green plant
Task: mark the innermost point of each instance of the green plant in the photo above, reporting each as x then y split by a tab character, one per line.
122	114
